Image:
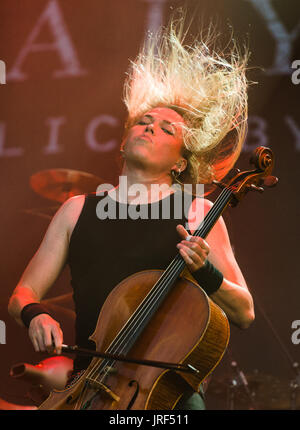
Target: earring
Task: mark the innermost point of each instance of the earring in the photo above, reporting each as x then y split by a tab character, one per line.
176	175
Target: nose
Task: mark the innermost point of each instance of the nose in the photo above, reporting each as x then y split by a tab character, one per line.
149	128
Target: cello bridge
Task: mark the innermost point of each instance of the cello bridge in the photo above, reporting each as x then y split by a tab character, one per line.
102	387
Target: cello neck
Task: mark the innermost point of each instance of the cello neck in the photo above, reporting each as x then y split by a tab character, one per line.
214	213
143	314
177	265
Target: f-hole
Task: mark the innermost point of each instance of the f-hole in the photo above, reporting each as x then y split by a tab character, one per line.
131	383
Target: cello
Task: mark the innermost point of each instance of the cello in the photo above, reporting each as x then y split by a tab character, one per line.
153	349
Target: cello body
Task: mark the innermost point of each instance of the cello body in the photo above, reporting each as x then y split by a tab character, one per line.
188	328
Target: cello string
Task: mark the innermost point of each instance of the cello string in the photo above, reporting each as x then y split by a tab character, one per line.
141	309
156	292
159	292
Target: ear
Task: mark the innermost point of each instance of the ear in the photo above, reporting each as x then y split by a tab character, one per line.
180	166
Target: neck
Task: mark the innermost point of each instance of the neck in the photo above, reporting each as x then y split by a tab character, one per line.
143	187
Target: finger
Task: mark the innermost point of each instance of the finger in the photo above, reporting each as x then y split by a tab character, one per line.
191	253
40	341
186	257
47	338
195	261
57	337
189	261
182	231
200	242
191	245
194	248
32	333
35	344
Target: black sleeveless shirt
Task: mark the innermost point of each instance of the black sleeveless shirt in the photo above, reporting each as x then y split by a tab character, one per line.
103	252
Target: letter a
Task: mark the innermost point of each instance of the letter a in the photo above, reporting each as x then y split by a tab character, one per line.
283	38
62	44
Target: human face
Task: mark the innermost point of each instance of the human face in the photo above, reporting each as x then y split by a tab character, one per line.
155	141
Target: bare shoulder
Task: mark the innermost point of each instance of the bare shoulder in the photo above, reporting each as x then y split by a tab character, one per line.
73	205
207	204
67	215
203	203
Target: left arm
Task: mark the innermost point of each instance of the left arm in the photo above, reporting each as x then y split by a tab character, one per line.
233	295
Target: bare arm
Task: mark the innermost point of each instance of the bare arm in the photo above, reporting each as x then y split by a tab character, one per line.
41	273
233	295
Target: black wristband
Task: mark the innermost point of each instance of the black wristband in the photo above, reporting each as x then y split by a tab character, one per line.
32	310
208	277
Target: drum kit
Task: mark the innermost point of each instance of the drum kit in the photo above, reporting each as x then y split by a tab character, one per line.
58	185
255	390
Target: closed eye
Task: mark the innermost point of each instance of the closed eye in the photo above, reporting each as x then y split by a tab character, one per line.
145	121
167	131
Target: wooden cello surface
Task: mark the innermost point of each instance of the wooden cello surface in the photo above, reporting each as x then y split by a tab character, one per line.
188	328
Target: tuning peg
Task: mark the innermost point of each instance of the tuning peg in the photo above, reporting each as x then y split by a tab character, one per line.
233	172
270	181
253	187
219	184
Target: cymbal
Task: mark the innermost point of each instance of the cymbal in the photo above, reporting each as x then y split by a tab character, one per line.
60	184
47	212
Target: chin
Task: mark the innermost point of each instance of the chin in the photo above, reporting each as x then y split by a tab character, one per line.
137	155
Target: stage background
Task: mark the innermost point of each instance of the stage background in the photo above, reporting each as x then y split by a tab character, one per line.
61	108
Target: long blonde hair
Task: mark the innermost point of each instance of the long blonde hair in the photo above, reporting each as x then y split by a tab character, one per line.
207	89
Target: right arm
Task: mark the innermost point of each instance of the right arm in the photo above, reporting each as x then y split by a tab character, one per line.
41	273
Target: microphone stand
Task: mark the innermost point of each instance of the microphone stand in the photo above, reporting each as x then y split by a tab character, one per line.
238	380
294	387
294	383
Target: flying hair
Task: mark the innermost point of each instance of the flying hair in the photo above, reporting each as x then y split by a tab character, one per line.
206	87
